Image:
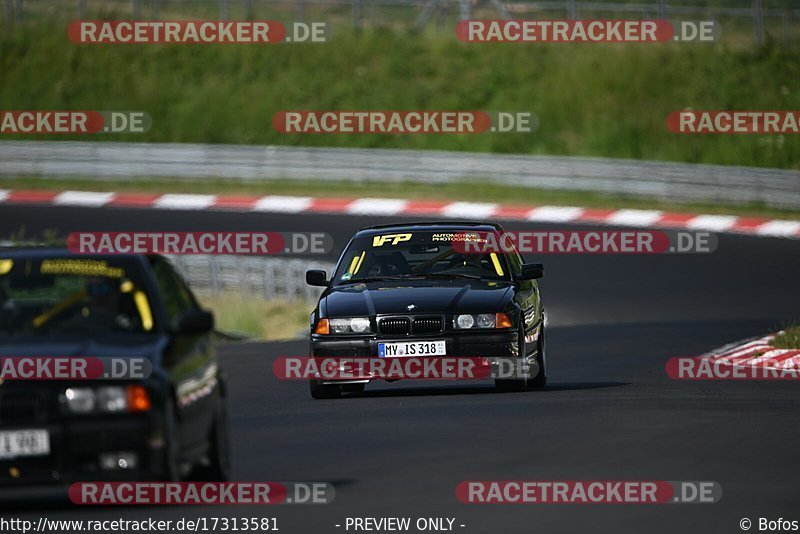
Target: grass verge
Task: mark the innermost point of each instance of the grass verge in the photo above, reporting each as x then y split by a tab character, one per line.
608	100
260	320
789	339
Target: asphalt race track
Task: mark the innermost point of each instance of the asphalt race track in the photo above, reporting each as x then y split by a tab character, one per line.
609	411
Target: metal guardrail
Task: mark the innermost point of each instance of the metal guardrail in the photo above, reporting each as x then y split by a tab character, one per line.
778	20
268	278
632	178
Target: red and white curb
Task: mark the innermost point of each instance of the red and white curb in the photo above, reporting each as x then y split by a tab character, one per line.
757	353
400	207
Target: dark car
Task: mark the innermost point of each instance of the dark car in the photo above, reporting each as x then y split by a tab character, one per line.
413	289
163	426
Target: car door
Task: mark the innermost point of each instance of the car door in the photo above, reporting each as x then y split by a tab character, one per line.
191	361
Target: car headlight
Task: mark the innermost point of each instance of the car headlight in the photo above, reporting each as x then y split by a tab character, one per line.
80	400
482	320
340	326
107	399
485	321
359	324
465	321
343	325
111	399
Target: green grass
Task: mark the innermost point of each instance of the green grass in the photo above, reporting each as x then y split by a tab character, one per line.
592	100
259	319
789	339
467	191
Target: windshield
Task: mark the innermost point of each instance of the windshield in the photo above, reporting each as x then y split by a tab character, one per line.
67	295
416	255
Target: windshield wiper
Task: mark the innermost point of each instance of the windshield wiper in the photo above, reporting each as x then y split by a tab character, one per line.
422	276
451	275
394	278
372	279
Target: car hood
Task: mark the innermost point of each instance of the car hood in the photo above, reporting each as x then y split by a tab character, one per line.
441	296
70	346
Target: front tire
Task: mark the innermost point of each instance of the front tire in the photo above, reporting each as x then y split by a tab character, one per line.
218	468
540	380
354	388
324	391
171	471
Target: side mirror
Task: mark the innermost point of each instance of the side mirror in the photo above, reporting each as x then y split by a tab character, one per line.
317	278
193	322
531	271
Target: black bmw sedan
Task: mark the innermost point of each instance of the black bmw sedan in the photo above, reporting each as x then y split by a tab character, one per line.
415	290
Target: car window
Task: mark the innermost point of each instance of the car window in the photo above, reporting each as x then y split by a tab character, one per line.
516	261
417	254
176	296
52	295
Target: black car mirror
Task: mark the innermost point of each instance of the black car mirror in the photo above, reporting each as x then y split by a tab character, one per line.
531	271
193	322
317	278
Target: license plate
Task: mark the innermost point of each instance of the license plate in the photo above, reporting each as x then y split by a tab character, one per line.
15	443
412	348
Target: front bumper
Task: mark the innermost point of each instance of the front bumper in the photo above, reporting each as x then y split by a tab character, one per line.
496	347
89	450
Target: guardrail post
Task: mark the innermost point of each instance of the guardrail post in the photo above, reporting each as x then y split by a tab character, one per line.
241	272
465	10
662	9
758	22
271	289
572	11
9	5
425	14
500	7
441	16
213	275
265	279
357	14
786	36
